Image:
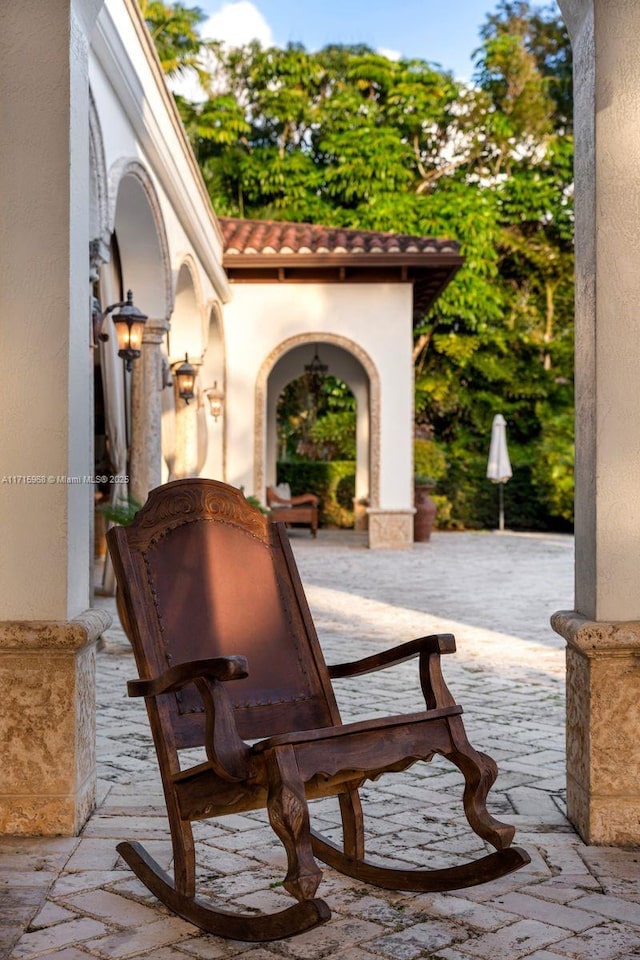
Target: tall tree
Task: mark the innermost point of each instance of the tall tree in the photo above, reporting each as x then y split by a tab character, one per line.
174	30
347	137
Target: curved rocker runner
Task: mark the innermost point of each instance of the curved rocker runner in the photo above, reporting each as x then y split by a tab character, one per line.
211	600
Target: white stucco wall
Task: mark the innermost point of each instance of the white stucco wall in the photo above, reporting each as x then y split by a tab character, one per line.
139	122
377	317
169	238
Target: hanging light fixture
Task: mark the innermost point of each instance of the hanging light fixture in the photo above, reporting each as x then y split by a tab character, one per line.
185	375
216	400
129	323
316	372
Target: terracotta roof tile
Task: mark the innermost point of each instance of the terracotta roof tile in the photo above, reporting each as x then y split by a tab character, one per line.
279	237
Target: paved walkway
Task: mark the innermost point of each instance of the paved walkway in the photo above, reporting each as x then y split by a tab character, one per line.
74	898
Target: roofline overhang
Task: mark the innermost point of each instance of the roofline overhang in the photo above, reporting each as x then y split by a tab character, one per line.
412	268
366	261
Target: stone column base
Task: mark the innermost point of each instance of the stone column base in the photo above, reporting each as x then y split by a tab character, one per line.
47	724
390	529
603	727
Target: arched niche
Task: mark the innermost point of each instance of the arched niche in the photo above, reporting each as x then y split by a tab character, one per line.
345	360
142	240
188	333
213	374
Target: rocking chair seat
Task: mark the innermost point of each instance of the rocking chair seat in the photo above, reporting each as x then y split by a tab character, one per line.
228	659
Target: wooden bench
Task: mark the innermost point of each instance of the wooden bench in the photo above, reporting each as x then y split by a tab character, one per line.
302	508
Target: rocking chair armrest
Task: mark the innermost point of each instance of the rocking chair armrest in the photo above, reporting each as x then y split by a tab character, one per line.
437	643
173	679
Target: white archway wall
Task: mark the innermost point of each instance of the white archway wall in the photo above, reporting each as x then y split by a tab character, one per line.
343	365
189	329
141	235
213	371
375	322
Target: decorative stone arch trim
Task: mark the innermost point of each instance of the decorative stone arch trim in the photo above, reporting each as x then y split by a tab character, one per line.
574	13
350	346
99	241
131	167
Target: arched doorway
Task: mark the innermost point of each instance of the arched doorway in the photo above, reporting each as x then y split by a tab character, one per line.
351	364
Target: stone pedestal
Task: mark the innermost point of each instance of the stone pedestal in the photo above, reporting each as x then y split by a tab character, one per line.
603	721
47	724
390	529
146	412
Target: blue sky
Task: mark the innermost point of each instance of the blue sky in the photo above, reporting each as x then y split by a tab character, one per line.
441	31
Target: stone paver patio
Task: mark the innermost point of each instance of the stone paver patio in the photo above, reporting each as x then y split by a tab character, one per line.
72	898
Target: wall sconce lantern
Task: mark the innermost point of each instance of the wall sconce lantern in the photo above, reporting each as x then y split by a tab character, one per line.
185	375
129	323
216	400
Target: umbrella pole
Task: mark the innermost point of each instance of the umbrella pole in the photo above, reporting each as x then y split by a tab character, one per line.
501	507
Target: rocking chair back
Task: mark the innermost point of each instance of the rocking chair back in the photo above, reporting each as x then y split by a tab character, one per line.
212	589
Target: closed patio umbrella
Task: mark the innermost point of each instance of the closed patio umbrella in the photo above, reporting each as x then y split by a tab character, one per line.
499	467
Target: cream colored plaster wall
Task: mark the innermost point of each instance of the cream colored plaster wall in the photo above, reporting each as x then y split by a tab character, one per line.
169	237
607	110
139	120
124	145
45	366
375	316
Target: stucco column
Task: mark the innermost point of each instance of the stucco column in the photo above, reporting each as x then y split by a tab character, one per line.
47	634
147	383
603	634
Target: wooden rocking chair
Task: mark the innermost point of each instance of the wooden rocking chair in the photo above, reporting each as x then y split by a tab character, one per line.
210	597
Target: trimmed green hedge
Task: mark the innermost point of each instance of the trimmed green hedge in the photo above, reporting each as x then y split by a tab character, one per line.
333	481
474	499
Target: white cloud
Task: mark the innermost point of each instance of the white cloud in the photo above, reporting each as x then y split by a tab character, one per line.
235	24
389	54
188	85
238	23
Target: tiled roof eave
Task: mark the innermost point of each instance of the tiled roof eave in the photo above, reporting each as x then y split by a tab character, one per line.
367	261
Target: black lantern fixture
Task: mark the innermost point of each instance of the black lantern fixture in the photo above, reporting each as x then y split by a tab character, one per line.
216	400
316	372
185	375
129	323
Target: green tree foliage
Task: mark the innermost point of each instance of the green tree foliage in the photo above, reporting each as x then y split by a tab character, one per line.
317	428
346	137
174	30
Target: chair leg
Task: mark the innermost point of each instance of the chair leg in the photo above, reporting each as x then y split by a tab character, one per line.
479	772
289	817
184	857
352	823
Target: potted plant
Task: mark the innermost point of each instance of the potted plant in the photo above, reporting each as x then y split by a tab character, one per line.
426	508
430	465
